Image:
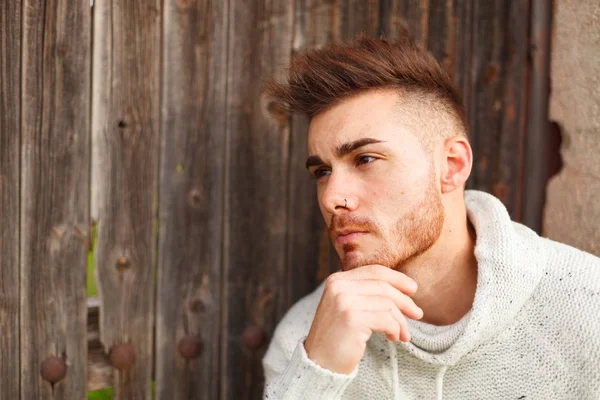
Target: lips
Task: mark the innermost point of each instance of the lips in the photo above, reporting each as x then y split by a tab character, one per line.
349	236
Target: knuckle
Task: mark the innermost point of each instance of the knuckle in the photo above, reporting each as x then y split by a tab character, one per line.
342	302
333	277
348	317
334	287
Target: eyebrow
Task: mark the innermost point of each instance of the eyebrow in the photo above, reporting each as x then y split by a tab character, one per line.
342	150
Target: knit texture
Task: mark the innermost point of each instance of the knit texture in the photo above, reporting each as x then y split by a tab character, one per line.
532	332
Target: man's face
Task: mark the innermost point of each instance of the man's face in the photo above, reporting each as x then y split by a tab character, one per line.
376	184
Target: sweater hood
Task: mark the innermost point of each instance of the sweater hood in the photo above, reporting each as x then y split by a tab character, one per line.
510	265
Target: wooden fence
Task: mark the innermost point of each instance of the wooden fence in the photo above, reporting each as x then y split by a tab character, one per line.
145	121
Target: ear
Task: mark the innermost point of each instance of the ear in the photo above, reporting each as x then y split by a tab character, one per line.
457	163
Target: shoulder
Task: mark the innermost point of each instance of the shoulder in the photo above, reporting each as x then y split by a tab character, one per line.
570	269
565	268
569	291
562	312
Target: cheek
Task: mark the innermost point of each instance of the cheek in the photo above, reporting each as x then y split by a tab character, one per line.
383	192
390	201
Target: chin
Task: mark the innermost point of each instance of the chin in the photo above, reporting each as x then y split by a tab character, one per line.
355	258
350	260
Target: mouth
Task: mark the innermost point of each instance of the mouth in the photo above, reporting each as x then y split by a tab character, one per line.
349	236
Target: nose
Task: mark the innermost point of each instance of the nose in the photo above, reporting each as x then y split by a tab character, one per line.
337	197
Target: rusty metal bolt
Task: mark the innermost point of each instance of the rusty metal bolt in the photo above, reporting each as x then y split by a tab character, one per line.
254	337
190	346
53	369
122	356
123	263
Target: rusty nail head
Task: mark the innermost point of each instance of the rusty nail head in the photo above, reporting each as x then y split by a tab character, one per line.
53	369
254	337
123	263
122	356
190	346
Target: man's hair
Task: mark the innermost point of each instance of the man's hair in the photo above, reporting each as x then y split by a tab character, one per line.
319	78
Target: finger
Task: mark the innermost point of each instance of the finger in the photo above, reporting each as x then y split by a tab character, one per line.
379	272
372	287
389	322
378	304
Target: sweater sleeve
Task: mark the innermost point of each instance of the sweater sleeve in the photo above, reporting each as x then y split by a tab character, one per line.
299	378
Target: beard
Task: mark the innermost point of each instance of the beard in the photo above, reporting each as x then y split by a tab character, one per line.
411	235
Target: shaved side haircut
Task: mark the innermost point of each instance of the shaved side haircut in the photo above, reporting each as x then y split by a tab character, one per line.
320	78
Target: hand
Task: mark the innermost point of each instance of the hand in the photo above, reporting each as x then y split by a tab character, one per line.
355	304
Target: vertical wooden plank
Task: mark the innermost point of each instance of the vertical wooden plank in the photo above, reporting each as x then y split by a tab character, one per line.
449	39
498	102
260	44
401	17
10	137
463	20
308	254
353	17
508	184
441	33
55	193
393	21
191	199
125	136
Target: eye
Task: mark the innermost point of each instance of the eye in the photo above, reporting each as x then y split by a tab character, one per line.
365	159
321	172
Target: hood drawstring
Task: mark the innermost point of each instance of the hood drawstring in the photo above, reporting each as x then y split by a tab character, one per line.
439	382
394	369
439	378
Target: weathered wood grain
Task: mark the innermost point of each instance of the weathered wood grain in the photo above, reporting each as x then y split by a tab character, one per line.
191	199
260	44
354	17
10	138
405	17
463	51
55	194
125	139
308	252
498	101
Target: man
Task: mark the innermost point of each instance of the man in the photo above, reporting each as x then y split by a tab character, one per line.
440	295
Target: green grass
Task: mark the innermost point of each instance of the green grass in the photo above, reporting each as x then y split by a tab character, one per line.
92	290
106	394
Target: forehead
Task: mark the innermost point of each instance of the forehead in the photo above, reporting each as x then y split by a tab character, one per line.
374	114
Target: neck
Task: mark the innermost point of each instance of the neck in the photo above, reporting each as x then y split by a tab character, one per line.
447	272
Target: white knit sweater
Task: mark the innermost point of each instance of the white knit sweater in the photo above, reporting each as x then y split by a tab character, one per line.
533	331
